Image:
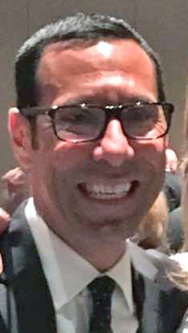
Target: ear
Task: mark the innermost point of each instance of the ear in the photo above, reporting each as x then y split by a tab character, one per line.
21	140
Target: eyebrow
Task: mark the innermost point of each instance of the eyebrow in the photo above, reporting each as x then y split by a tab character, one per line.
91	100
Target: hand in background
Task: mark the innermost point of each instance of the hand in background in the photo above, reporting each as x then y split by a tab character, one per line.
15	189
4	223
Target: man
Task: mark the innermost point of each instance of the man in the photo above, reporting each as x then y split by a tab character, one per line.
173	181
90	131
175	232
172	189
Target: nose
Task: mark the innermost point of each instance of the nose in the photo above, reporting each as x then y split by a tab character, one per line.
114	147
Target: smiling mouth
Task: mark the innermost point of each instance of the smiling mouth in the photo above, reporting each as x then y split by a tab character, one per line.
108	192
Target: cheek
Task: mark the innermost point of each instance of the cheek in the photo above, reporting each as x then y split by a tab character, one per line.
158	155
71	156
60	153
154	152
152	160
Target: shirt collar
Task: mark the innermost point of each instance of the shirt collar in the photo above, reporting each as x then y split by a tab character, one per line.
121	273
66	271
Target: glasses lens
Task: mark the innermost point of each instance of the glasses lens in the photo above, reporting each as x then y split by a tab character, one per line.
78	124
145	121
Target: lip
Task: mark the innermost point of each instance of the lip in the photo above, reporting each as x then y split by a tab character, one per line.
108	192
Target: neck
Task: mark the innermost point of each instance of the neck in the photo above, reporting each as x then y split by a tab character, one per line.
102	248
102	256
105	259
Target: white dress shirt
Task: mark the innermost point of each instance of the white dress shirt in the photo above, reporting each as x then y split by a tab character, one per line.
68	275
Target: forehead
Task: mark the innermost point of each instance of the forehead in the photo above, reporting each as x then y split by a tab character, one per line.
64	64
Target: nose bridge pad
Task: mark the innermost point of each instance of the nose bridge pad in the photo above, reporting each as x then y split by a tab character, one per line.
115	130
114	147
114	140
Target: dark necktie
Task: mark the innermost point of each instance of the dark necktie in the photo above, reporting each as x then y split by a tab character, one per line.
101	290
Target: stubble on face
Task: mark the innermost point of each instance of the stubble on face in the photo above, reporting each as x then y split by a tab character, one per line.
73	185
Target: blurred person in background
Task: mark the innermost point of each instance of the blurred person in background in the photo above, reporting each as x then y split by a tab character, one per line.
173	180
182	214
15	189
152	231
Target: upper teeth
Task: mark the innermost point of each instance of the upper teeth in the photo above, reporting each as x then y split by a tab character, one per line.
109	189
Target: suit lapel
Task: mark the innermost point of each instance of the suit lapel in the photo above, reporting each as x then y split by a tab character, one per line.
146	299
27	284
29	304
154	294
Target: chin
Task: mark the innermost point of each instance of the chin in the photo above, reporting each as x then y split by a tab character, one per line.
118	228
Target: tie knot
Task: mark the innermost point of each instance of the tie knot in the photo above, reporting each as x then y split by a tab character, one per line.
102	287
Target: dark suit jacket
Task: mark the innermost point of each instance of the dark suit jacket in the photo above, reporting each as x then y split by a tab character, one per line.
26	304
172	189
175	234
184	326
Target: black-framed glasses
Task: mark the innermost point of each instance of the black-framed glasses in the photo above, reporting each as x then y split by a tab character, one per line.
88	122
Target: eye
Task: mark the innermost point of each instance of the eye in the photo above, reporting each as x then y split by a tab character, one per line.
140	120
140	115
80	116
75	116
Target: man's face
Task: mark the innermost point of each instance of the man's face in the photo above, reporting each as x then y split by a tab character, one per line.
99	190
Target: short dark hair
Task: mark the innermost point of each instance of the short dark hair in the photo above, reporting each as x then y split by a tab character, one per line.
81	27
